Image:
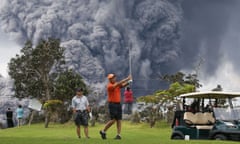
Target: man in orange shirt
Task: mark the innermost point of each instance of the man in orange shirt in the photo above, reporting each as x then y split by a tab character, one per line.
114	103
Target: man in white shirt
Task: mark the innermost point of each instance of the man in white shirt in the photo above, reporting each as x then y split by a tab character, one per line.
81	109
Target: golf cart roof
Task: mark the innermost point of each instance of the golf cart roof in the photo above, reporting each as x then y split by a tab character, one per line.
211	94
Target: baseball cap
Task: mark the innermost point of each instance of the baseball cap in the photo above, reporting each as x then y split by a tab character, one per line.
110	76
79	90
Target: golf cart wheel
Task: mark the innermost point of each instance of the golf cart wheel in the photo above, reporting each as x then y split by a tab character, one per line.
220	137
177	137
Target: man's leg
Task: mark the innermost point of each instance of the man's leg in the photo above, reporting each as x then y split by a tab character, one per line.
108	125
21	122
18	122
86	131
119	127
119	122
78	130
130	108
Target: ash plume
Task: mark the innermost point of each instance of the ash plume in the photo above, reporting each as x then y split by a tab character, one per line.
207	26
98	34
163	36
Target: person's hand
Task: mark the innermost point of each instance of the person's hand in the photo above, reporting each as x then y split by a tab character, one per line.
74	116
90	115
129	77
130	81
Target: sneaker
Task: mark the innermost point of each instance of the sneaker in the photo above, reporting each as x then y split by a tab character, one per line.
118	137
103	135
79	137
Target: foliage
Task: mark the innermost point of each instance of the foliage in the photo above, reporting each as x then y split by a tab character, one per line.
167	99
182	78
52	104
32	69
38	72
66	84
148	99
53	109
169	95
179	84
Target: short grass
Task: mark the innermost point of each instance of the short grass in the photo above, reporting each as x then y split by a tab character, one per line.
65	134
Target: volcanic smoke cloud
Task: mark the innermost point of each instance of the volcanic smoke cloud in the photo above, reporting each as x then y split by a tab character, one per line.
98	35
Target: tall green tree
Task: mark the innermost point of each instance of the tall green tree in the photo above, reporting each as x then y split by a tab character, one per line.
65	85
32	69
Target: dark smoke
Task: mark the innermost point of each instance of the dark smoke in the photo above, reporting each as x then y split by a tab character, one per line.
205	24
164	36
99	33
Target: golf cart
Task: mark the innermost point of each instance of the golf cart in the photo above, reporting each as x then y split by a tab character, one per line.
211	115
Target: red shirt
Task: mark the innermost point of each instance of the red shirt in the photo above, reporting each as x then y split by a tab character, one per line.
128	96
114	94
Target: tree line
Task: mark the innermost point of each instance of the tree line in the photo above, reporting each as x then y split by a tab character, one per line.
39	72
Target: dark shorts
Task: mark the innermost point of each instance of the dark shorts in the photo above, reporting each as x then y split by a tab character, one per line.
81	118
115	111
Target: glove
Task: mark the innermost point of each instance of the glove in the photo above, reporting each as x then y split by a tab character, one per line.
130	81
90	115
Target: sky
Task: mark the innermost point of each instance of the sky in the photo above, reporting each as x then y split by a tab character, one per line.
8	49
225	76
211	32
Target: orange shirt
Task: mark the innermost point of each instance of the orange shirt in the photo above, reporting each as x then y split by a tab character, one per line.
114	94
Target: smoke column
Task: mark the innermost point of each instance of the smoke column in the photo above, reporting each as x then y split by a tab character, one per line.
164	36
98	34
211	31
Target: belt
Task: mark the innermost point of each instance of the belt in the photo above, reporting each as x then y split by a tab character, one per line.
114	102
81	110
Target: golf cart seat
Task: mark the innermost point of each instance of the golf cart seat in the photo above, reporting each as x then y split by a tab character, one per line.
199	120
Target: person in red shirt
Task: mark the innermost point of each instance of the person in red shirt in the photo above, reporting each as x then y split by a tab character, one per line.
114	103
128	100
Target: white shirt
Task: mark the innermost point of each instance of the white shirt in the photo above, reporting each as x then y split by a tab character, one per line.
80	102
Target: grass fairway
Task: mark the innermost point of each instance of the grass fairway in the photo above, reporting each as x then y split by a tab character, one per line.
65	134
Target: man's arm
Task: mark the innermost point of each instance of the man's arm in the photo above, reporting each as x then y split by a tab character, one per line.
73	106
123	82
87	105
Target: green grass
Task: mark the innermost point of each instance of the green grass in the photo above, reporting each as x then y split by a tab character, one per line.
65	134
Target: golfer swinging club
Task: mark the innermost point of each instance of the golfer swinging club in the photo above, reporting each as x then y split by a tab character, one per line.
114	105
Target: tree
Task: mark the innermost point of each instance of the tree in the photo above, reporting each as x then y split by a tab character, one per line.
182	78
168	98
65	84
32	69
192	79
178	77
